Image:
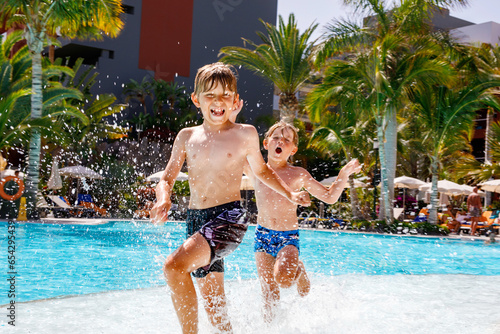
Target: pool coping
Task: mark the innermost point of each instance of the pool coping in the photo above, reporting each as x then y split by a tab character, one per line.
103	221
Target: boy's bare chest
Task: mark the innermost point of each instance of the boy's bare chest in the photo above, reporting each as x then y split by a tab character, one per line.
203	151
289	176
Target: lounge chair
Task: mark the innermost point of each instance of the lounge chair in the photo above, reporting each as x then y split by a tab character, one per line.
86	201
308	219
61	208
488	221
485	223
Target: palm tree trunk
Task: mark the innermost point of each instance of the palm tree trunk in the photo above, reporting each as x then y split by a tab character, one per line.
356	212
383	176
35	141
487	149
289	107
434	191
390	146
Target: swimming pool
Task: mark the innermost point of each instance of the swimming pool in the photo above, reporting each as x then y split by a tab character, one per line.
55	260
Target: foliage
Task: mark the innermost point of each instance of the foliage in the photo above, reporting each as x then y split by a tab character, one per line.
42	20
118	190
181	188
494	206
431	229
163	123
375	68
284	58
15	121
80	139
398	227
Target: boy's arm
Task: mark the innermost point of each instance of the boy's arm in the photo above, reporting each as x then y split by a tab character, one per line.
159	212
268	176
332	194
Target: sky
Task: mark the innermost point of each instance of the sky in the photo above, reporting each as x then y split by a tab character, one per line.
324	11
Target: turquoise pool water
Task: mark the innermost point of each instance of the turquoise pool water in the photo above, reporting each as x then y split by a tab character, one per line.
58	260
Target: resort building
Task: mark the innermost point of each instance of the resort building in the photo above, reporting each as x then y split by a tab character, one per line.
170	40
475	34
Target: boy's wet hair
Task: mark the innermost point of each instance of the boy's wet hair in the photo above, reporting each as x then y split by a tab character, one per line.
284	125
210	75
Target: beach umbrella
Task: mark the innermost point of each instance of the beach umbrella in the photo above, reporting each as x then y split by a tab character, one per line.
55	181
79	172
11	172
328	182
445	187
491	185
157	176
408	182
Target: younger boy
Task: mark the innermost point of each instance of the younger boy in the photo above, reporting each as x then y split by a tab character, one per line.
277	235
216	153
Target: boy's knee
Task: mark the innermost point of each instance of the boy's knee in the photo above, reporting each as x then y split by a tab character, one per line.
284	279
172	267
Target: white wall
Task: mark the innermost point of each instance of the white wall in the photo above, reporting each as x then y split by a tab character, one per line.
488	32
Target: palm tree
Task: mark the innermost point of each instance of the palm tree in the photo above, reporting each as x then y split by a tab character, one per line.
284	58
15	120
42	19
86	136
490	57
386	59
139	91
340	131
448	114
474	171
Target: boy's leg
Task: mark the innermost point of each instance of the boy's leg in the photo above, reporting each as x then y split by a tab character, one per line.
287	264
270	289
192	254
289	270
212	290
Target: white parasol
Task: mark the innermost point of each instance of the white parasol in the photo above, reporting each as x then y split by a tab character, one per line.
446	187
408	182
80	171
55	181
491	185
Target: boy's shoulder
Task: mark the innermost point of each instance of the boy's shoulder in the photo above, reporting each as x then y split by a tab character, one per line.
189	130
245	129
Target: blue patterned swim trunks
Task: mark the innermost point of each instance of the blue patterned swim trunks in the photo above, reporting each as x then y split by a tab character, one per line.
271	241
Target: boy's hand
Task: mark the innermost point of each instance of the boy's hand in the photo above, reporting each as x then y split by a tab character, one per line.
352	167
300	198
159	212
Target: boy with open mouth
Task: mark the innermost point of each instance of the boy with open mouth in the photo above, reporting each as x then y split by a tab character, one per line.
277	235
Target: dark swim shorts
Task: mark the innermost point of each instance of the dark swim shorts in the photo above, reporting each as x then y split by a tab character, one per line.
271	241
223	227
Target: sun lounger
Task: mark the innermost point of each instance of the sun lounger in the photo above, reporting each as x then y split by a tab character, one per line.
485	223
86	201
62	208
